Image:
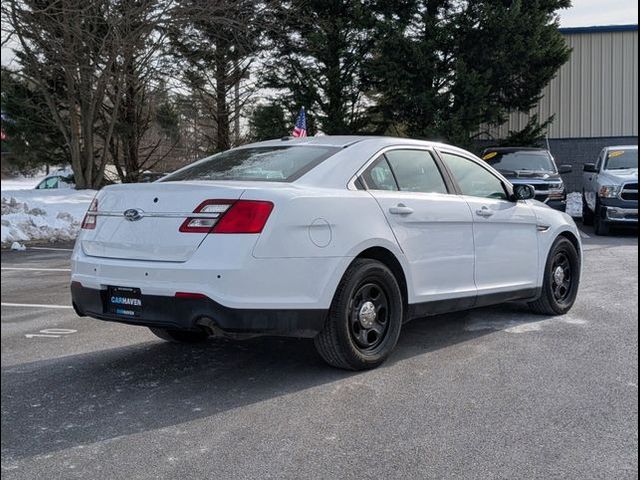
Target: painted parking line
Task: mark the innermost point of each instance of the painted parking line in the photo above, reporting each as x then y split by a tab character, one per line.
35	305
35	269
584	235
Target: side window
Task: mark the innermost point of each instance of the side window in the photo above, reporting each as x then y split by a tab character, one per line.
416	171
379	177
473	179
47	183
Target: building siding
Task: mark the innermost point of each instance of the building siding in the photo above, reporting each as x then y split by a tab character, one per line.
595	94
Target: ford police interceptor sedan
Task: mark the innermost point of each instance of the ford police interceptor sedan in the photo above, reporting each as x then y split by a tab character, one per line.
342	239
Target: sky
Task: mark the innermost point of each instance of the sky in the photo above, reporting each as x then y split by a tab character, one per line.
583	13
586	13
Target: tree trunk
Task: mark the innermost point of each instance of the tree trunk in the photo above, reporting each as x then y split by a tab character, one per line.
223	141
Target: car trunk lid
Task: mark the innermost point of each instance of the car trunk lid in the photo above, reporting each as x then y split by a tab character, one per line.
144	221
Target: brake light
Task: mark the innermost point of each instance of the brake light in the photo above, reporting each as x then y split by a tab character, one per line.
89	221
245	216
228	216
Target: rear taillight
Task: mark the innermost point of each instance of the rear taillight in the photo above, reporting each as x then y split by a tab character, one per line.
224	216
89	221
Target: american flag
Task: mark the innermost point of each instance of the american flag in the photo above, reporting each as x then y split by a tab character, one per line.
300	130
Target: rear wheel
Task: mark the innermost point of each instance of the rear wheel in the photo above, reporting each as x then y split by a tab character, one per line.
587	214
561	280
179	336
365	318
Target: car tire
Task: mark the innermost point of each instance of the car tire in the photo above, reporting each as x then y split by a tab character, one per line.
587	214
179	336
559	290
365	318
600	226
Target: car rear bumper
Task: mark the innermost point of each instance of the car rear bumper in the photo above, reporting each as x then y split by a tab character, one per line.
201	313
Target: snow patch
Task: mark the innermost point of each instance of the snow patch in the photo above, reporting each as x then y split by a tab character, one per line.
18	246
574	204
42	215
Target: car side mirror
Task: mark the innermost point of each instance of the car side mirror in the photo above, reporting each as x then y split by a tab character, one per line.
590	167
523	192
565	169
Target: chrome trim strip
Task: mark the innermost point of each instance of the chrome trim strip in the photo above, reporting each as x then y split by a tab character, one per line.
543	228
111	213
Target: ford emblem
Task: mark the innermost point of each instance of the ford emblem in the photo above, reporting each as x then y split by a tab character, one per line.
133	214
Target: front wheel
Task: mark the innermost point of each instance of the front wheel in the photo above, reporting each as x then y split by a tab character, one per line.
364	321
179	336
600	226
561	280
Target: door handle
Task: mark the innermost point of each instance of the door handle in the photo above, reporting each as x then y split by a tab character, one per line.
400	209
484	212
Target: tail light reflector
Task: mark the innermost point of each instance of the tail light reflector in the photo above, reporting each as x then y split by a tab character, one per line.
89	221
227	216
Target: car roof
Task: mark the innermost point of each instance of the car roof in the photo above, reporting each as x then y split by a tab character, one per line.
344	141
514	149
622	147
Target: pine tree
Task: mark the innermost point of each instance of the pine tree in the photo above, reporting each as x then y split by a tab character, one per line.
441	69
319	49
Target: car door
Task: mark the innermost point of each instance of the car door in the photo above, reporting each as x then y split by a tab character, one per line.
504	231
432	226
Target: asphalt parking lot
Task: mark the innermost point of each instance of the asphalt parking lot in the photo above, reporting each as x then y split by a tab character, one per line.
493	393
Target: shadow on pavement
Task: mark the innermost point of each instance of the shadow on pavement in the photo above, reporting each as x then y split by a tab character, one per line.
57	404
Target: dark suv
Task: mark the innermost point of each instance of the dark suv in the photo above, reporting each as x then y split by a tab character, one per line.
531	166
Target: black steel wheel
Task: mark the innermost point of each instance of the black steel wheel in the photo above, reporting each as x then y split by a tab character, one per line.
369	316
561	279
364	321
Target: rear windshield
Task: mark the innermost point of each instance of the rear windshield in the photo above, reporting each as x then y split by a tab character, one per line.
523	161
622	159
284	163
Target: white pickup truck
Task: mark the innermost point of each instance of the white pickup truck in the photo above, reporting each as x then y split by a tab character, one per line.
610	195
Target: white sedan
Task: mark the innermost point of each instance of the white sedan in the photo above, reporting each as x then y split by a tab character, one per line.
342	239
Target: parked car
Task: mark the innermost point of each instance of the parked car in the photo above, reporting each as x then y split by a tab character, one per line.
62	178
610	195
342	239
532	166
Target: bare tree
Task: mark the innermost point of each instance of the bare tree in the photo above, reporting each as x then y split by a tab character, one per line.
217	43
139	141
72	45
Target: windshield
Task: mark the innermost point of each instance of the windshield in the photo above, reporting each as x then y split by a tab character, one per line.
622	159
284	163
529	161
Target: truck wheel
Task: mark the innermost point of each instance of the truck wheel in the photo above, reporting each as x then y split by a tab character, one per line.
600	226
561	280
587	214
364	320
179	336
